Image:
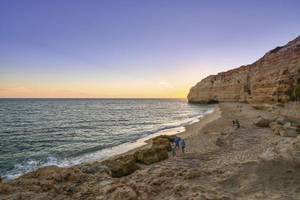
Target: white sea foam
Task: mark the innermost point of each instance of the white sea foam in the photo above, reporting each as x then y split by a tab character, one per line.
169	129
37	133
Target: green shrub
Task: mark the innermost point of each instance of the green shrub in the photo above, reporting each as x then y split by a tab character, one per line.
296	92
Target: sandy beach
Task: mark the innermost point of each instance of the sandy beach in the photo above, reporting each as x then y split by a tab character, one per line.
221	162
189	131
149	100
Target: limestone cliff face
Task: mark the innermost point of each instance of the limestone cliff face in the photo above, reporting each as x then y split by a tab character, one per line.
270	80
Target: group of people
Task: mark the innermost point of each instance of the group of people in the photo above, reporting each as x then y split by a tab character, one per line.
177	144
236	123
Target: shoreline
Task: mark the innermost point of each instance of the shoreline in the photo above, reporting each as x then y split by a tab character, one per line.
188	131
122	149
221	162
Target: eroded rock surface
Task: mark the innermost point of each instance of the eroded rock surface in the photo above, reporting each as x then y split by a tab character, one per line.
270	80
151	155
122	166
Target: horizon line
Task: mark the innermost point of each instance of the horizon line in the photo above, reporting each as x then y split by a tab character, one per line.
92	98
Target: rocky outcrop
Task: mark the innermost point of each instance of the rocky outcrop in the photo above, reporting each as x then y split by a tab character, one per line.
285	128
158	151
97	180
262	122
286	150
122	166
127	164
50	182
269	80
279	125
163	141
151	155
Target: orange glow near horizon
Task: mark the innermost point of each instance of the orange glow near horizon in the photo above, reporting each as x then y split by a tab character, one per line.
47	85
160	90
21	92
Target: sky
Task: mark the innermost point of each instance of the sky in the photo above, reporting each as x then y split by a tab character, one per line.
133	48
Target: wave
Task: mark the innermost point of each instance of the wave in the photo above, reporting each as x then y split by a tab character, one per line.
102	151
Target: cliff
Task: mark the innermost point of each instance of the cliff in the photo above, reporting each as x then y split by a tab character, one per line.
269	80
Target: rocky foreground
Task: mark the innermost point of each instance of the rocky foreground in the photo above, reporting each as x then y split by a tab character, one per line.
260	160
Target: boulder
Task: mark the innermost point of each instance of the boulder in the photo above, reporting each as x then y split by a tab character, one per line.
277	130
287	125
289	132
121	166
162	142
262	122
275	127
151	155
281	120
258	106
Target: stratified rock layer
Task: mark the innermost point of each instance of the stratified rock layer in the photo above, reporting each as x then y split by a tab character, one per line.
270	80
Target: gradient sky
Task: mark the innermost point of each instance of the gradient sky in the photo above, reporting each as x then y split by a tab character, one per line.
133	48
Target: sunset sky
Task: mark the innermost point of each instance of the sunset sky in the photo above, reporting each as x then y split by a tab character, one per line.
133	48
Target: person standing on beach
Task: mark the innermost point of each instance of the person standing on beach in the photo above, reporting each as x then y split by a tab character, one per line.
173	148
177	141
182	145
237	124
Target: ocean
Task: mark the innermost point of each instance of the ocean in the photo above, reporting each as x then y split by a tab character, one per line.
65	132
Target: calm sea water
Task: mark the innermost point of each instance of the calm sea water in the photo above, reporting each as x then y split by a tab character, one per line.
40	132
